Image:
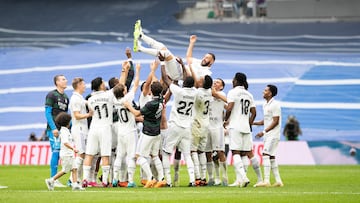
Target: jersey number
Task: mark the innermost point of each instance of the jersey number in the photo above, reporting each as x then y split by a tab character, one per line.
98	110
207	103
245	106
123	115
185	108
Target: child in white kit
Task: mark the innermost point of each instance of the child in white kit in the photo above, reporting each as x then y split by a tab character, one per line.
67	151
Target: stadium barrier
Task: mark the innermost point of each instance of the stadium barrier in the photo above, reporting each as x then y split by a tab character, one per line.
39	153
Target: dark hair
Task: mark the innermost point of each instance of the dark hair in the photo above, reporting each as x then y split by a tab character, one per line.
246	85
222	82
56	77
241	79
142	86
213	55
113	82
156	88
96	83
188	82
207	82
63	119
76	81
118	91
273	89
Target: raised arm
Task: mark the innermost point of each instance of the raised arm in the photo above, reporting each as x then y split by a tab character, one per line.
124	72
167	95
189	52
151	76
137	78
186	72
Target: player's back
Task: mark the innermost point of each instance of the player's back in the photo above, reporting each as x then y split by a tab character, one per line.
183	104
126	119
240	114
202	104
102	104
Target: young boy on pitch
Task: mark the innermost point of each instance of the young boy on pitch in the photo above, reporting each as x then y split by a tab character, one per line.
67	151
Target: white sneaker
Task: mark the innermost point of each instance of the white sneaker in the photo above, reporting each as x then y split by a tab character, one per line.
278	184
262	184
245	183
77	186
224	182
50	184
235	184
58	184
257	183
217	182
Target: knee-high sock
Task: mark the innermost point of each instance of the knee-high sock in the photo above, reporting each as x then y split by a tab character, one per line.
246	162
217	170
166	166
152	42
123	170
210	170
54	163
176	169
195	159
257	169
86	170
239	168
111	164
93	172
105	174
131	169
159	168
223	169
190	167
153	169
116	168
202	160
267	165
275	170
144	164
79	166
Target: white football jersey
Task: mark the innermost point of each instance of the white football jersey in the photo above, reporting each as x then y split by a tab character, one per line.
66	137
240	114
78	103
202	104
183	104
216	112
101	103
200	70
272	109
173	69
144	99
126	120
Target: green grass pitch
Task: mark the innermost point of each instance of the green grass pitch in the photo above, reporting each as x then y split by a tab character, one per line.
302	184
